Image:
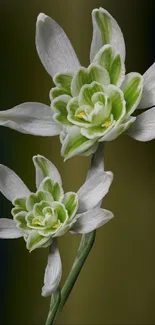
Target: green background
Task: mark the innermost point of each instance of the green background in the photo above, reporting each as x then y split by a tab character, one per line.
117	283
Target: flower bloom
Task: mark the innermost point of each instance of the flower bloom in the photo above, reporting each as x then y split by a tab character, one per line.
88	105
43	216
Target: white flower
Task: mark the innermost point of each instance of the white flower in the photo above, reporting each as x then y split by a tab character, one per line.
88	105
43	216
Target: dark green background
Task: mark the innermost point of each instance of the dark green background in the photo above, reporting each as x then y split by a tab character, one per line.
117	283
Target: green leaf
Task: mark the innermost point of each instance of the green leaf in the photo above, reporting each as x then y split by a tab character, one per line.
63	80
132	88
87	76
71	203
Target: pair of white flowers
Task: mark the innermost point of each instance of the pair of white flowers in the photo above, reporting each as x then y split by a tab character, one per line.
88	106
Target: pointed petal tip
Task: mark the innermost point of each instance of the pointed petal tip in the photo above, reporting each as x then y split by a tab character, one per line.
41	17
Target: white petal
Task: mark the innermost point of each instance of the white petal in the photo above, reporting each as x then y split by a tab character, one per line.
54	48
93	190
148	95
91	220
97	163
115	37
30	118
143	129
8	229
11	186
53	271
45	168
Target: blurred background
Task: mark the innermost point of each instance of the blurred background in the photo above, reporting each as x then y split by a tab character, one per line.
117	283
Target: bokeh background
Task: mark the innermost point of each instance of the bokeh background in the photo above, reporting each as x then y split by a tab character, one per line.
117	283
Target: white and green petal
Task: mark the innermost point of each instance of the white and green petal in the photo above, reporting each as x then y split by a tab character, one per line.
54	48
107	58
75	143
87	76
132	88
106	31
30	118
91	220
93	190
60	106
11	186
71	203
143	129
45	168
148	95
118	129
8	229
87	92
53	271
34	240
118	104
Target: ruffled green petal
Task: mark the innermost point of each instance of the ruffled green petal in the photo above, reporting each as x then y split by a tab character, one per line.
63	80
16	210
57	192
114	64
60	210
87	76
46	185
71	203
56	92
101	112
97	131
87	91
132	88
118	103
31	201
38	208
118	130
75	143
20	202
77	114
35	240
20	219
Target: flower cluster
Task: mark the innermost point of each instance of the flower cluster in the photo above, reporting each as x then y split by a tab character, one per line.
43	216
88	105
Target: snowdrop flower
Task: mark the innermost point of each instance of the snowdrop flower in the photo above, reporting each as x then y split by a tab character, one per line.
43	216
88	105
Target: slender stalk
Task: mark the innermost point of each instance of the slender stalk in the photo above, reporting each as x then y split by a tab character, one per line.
83	252
55	301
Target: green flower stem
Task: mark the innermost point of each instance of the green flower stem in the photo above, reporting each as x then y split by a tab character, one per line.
55	301
86	244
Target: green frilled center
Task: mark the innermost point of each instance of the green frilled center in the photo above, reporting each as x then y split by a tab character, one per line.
96	99
45	214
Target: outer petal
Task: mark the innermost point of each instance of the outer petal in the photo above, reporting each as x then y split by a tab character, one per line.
54	48
106	31
8	229
93	190
11	186
30	118
45	168
53	271
35	240
91	220
132	88
75	143
148	95
143	129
